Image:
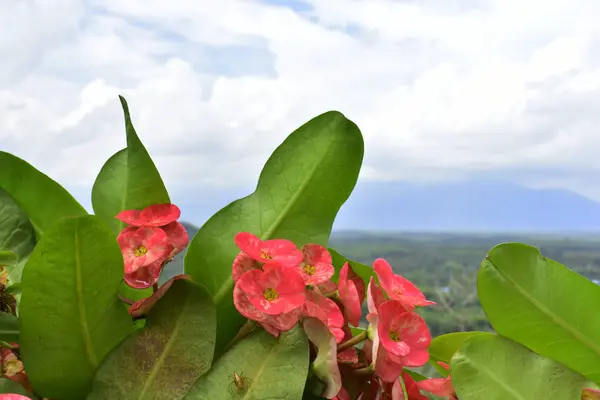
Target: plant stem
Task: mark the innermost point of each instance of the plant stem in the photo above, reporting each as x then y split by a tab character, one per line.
352	341
363	371
242	333
126	300
155	287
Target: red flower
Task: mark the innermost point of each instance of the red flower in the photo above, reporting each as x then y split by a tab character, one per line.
349	355
242	264
13	397
316	266
441	387
143	306
327	287
375	296
325	310
276	251
272	323
349	296
144	251
399	288
412	388
177	237
387	367
403	334
274	290
154	215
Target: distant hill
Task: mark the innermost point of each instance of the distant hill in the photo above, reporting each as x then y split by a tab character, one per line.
467	206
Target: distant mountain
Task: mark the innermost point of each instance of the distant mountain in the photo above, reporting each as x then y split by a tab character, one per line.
467	206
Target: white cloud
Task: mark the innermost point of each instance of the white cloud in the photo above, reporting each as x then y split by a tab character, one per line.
440	88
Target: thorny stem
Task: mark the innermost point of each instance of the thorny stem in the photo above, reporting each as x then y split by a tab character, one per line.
242	333
352	341
126	300
368	370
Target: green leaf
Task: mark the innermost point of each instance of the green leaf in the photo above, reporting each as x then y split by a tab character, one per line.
11	387
443	347
163	360
9	328
493	368
543	305
364	271
71	317
300	191
270	369
134	294
16	233
8	258
43	200
129	180
415	375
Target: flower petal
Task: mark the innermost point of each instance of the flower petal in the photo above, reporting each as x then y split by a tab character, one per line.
349	297
177	237
160	214
143	306
242	264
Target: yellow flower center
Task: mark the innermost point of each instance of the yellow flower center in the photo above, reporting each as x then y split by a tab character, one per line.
264	254
13	367
309	269
394	336
140	251
271	294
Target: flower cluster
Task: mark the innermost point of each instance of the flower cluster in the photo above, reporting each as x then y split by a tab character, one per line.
278	285
151	239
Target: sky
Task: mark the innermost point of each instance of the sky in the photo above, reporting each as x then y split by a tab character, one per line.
443	90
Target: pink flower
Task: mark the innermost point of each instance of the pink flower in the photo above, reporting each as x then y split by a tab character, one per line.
412	388
327	287
387	367
441	387
325	310
375	297
142	307
399	288
242	264
144	251
316	266
274	290
13	397
276	251
403	334
271	323
154	215
349	296
177	237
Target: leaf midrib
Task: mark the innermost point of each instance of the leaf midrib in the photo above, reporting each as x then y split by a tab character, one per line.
228	284
85	331
274	350
546	311
493	377
155	369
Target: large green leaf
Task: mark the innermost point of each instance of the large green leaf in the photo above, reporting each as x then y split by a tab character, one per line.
129	180
71	317
443	347
44	201
300	191
9	328
269	369
163	360
8	258
543	305
493	368
16	232
364	271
